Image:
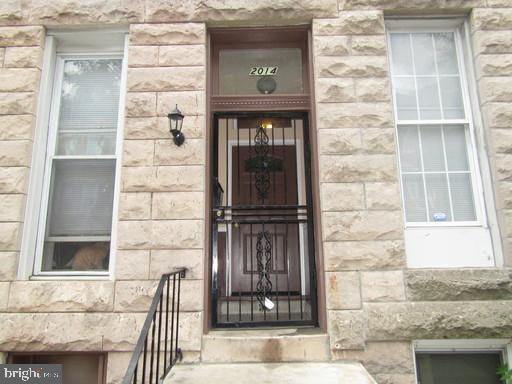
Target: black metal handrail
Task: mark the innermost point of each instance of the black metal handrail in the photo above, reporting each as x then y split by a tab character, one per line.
150	372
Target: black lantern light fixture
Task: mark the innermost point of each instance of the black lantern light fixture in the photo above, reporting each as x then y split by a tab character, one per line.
175	125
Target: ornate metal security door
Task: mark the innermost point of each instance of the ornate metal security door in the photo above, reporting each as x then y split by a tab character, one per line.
263	267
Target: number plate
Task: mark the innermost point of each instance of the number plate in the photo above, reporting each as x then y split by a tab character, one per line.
263	71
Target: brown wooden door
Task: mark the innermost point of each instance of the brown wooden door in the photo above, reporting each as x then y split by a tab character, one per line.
283	238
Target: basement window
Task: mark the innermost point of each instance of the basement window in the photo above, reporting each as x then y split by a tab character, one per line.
77	368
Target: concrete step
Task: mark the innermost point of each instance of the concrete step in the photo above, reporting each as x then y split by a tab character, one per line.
270	373
265	345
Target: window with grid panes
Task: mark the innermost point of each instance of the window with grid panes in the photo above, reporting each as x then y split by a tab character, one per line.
435	150
81	164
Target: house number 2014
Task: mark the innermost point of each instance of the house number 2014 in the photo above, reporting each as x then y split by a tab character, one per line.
263	71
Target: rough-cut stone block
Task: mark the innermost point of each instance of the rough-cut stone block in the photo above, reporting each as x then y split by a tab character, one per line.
11	207
121	330
59	12
195	127
506	221
138	152
395	378
373	89
351	66
382	196
496	89
383	286
503	167
20	36
142	56
501	140
165	34
134	235
191	330
492	41
378	140
339	141
365	225
192	152
335	90
390	357
451	285
8	266
19	79
116	367
343	290
13	179
182	55
23	57
136	296
15	153
16	127
346	329
11	12
44	331
142	128
2	57
9	236
178	205
177	234
498	115
364	255
132	265
439	320
349	168
494	65
331	46
492	19
229	13
505	194
342	196
354	115
163	179
368	45
456	5
183	178
4	295
350	23
18	103
135	206
189	103
140	104
166	79
165	261
61	296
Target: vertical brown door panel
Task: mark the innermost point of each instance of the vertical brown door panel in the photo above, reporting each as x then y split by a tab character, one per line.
284	238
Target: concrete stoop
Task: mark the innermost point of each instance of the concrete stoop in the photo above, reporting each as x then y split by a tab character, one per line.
262	346
270	373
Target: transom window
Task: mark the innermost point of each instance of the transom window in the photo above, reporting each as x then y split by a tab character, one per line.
437	166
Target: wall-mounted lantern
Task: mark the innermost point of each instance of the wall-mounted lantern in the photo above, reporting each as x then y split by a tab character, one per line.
175	125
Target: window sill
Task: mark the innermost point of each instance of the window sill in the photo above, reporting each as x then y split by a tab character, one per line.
103	276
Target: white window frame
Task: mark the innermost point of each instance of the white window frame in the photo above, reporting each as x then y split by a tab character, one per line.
59	47
481	219
485	228
503	346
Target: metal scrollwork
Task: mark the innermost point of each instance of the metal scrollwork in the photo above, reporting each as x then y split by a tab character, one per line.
262	177
264	259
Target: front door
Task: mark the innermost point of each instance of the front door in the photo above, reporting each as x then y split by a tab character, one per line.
262	230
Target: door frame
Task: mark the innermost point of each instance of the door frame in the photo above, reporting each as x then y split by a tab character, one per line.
303	103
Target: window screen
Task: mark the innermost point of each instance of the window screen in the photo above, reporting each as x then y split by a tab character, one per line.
83	163
458	368
433	133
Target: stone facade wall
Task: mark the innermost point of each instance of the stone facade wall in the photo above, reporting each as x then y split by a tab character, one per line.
374	303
